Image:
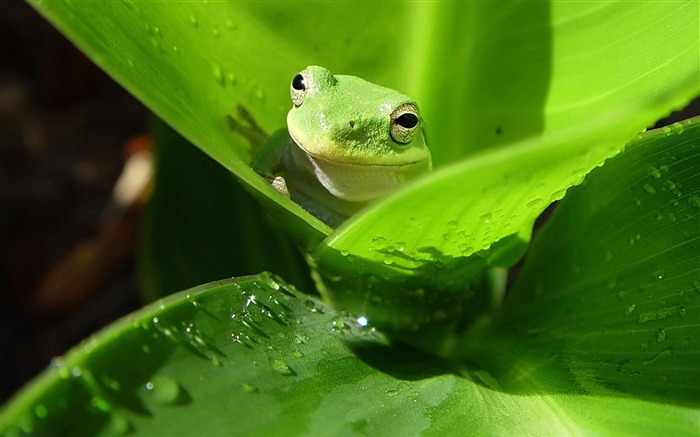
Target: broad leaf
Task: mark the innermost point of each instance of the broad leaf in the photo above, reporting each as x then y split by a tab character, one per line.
252	356
510	74
608	302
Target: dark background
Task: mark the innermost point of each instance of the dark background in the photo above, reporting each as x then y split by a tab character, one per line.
63	126
63	129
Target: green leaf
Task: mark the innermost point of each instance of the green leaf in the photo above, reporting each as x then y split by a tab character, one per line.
511	74
608	301
253	356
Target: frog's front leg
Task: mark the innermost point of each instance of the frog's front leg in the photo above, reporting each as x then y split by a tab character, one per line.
266	150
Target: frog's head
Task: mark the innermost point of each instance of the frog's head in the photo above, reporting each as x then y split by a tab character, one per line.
346	122
345	119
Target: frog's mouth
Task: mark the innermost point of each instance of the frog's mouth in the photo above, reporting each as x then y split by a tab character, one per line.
358	182
318	157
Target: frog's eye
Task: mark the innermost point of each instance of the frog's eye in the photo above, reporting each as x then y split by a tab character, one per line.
298	88
405	122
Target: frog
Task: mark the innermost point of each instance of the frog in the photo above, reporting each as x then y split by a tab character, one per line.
348	142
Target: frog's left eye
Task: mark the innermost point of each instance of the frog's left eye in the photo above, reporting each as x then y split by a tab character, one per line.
405	123
298	88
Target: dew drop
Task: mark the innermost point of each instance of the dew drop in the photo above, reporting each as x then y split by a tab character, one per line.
660	335
218	73
338	324
534	203
362	321
164	390
486	218
249	388
379	243
649	189
677	127
282	368
557	195
654	172
41	411
100	404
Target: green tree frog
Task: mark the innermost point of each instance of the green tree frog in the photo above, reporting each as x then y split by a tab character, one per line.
347	143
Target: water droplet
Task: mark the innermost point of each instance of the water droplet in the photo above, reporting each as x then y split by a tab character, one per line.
216	31
694	201
486	218
231	78
164	389
362	321
534	203
388	260
218	74
193	21
100	404
41	411
345	252
649	189
311	305
175	49
249	388
282	368
229	23
659	314
660	335
557	195
677	127
378	243
654	172
260	94
338	324
681	312
298	354
630	309
666	130
392	392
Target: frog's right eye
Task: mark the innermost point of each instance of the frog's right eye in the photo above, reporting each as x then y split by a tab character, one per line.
298	89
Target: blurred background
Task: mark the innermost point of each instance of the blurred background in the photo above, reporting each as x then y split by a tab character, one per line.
67	132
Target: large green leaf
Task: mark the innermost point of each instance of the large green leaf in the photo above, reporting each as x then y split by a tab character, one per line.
608	301
517	70
252	356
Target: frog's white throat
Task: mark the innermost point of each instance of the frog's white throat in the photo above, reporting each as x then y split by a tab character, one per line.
357	182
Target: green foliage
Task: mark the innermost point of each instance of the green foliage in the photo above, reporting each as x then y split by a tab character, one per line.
598	334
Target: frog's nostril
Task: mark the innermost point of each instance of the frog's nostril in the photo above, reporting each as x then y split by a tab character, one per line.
352	124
